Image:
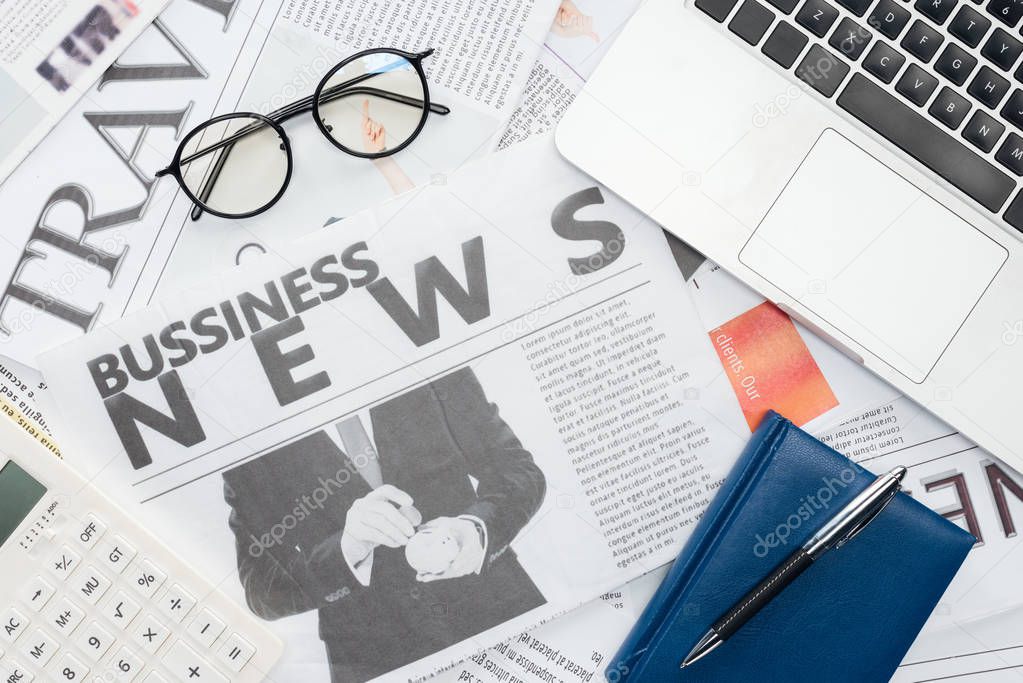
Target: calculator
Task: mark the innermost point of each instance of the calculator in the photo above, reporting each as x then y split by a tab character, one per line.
88	595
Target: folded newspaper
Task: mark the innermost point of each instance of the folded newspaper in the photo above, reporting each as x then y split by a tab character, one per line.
416	433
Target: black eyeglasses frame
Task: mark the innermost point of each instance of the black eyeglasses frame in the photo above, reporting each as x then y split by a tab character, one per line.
310	103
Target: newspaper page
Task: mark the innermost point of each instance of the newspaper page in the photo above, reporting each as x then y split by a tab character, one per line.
83	213
482	53
582	32
774	362
974	632
972	635
89	231
515	386
51	52
23	399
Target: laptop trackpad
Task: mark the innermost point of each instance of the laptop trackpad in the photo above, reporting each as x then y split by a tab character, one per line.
870	253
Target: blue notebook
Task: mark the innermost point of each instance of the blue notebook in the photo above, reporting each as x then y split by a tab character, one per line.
851	616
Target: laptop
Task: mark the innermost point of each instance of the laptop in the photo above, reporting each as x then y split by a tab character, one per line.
857	162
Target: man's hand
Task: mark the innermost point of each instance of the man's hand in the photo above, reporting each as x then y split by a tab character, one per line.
470	548
375	520
374	135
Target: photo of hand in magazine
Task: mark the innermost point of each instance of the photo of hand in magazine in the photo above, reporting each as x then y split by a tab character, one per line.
398	523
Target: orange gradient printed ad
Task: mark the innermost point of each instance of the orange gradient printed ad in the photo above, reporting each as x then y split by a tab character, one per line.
769	367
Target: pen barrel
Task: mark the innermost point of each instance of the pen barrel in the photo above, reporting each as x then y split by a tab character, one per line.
762	593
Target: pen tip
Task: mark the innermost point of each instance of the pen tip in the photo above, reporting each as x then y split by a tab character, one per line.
899	472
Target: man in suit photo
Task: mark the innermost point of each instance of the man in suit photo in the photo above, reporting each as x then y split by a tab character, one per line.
394	523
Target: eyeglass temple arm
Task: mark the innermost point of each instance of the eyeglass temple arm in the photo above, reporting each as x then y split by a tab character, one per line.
306	104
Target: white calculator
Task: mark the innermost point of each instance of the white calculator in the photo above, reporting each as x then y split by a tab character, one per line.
88	595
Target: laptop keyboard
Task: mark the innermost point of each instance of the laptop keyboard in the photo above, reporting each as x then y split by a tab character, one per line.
939	79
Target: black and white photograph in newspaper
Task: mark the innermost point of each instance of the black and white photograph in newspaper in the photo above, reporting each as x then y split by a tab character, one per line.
396	524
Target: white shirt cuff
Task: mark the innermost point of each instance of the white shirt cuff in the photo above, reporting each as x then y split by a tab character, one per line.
359	563
486	538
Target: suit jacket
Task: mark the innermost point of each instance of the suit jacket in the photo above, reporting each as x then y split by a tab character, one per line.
288	510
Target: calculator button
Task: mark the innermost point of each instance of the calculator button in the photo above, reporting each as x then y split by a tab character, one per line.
121	610
206	628
94	641
90	530
64	616
236	652
38	648
146	577
176	603
14	672
125	665
150	633
117	554
36	593
64	562
14	624
187	665
91	585
68	668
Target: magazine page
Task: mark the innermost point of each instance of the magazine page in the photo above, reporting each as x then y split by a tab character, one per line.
423	431
51	52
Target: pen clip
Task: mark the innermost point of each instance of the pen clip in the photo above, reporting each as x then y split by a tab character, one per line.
863	523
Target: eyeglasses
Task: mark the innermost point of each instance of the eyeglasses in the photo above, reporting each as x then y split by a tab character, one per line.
371	105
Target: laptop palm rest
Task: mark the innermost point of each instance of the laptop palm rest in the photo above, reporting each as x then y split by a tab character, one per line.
873	255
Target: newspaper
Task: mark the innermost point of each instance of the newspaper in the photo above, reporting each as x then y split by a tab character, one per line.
89	233
483	51
973	633
582	33
772	361
23	399
51	52
521	381
974	630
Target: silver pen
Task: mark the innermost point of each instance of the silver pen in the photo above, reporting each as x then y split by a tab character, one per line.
848	522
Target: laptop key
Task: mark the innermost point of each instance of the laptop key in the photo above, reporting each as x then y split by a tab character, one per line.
883	61
816	16
922	41
949	107
988	87
955	64
1013	109
983	131
718	10
784	44
785	6
888	18
1002	49
916	85
850	39
751	21
823	71
937	11
1007	11
1014	214
969	26
1010	154
925	142
857	7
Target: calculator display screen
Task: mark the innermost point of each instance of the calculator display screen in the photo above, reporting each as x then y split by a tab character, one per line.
19	493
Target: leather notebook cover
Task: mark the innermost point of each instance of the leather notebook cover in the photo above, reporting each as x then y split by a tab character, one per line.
851	616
